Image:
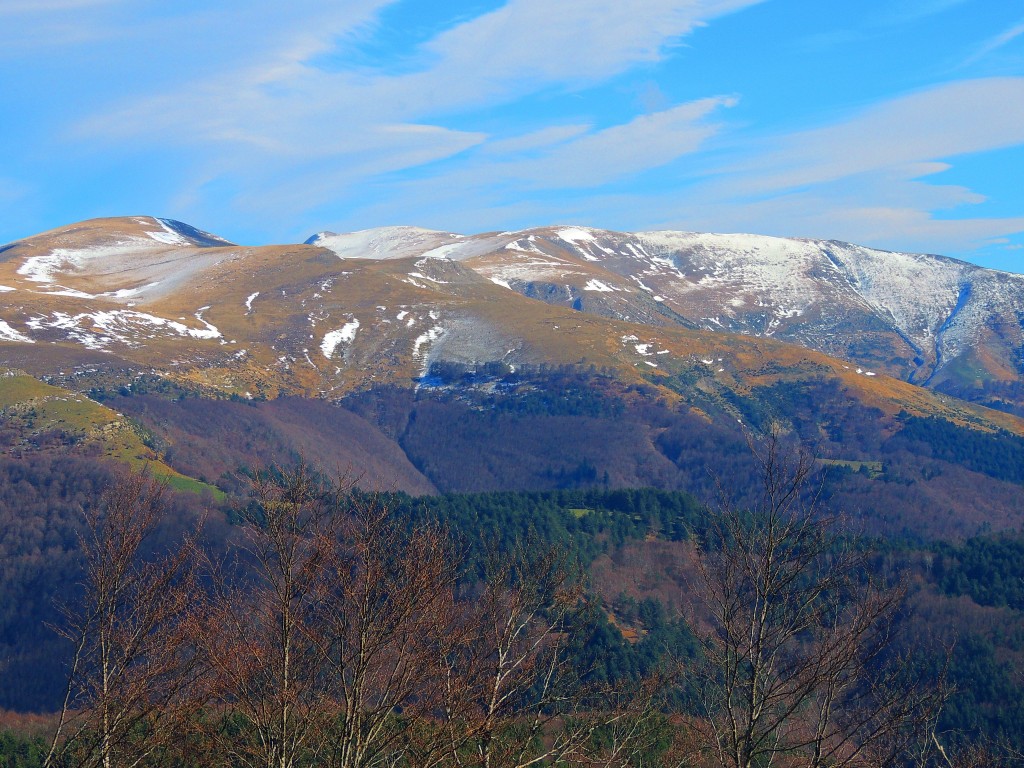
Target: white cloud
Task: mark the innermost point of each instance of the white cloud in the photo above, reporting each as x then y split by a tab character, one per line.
991	46
488	179
872	178
541	139
25	34
37	7
386	149
282	118
903	11
894	228
953	119
275	96
537	41
646	142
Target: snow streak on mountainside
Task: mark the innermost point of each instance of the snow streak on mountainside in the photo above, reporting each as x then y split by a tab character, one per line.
827	295
926	319
351	310
923	318
383	243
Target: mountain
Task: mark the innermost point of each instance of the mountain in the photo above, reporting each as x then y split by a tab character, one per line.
555	357
930	320
344	311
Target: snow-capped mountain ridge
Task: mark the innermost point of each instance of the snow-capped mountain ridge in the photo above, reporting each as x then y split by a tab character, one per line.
912	315
408	296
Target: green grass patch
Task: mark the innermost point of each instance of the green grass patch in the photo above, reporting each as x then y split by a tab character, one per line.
54	408
191	485
17	389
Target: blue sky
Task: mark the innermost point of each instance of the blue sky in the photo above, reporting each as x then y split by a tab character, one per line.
893	123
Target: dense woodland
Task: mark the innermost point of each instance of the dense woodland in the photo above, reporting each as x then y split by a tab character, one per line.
483	431
629	630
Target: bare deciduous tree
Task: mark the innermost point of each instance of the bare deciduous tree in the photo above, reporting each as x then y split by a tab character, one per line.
515	680
386	623
515	697
797	631
132	662
328	644
256	632
333	636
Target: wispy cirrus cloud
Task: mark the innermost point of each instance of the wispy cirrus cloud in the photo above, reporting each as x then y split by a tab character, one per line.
601	156
339	126
531	43
537	179
39	7
267	119
524	46
945	121
1001	40
874	177
903	11
536	140
822	213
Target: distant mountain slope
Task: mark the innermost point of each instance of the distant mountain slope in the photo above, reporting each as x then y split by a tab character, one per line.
557	358
137	295
925	319
40	420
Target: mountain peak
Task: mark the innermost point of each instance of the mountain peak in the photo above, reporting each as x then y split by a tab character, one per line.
127	231
383	242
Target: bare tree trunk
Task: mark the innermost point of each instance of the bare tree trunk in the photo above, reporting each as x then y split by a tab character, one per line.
254	633
518	700
798	628
131	663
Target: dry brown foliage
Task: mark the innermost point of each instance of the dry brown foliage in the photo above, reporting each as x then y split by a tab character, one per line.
797	628
133	663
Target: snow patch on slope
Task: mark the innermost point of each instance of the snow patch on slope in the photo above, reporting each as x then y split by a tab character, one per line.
467	247
179	233
382	243
167	235
44	269
938	303
585	242
575	235
344	335
421	346
9	334
96	330
432	335
127	293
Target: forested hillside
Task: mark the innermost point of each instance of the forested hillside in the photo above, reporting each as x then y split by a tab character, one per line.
639	550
